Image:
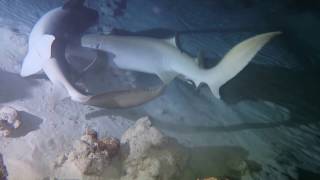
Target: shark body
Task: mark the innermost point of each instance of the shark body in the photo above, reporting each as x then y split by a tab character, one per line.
47	52
163	58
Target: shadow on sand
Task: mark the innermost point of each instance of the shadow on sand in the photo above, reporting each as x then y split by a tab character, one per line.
3	169
13	86
229	162
295	90
29	123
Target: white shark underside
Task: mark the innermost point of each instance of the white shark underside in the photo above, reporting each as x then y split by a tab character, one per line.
161	57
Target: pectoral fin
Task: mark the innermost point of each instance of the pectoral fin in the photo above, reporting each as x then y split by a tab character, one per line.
37	55
200	59
172	41
31	64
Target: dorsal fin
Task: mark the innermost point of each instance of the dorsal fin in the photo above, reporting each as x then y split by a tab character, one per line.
172	41
68	4
200	59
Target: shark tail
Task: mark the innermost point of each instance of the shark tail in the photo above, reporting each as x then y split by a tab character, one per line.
63	88
125	98
114	99
235	61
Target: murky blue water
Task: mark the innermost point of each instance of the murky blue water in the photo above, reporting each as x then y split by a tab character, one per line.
269	113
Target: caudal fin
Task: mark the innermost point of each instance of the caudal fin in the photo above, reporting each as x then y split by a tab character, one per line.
235	60
125	98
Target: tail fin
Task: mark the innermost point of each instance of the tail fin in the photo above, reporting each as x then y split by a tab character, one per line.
126	98
235	60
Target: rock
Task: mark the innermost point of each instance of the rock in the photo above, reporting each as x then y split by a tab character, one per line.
237	166
151	155
90	136
3	170
93	163
9	120
60	161
110	144
91	155
148	168
141	137
208	178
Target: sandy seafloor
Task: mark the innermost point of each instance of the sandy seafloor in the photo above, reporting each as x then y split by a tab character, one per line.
269	110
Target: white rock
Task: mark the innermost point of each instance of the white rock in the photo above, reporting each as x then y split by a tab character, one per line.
93	156
151	155
141	137
3	170
89	161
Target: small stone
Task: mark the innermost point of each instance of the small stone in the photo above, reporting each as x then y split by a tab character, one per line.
111	145
3	170
92	133
238	166
91	155
208	178
60	161
9	120
4	133
91	163
17	124
90	136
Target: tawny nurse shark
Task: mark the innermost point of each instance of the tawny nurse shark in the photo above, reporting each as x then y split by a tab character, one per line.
47	45
163	58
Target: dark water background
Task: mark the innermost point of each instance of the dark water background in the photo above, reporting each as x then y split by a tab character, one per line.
286	72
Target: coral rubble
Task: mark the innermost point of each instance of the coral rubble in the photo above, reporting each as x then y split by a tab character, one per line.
151	154
144	152
3	170
92	155
9	120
